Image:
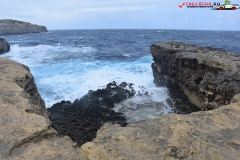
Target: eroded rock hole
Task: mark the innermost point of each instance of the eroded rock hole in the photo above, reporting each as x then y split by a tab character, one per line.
198	80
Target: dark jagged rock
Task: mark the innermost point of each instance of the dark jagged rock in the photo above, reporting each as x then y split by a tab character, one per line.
81	119
209	77
4	46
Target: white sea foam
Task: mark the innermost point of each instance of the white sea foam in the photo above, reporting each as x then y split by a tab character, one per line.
36	55
150	101
72	78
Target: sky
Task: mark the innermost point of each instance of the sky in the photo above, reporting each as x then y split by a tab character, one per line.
120	14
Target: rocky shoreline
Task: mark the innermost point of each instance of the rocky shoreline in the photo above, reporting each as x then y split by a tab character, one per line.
26	131
9	26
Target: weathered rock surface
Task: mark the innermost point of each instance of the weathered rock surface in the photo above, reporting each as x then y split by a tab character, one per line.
9	26
4	46
209	77
201	135
25	131
81	119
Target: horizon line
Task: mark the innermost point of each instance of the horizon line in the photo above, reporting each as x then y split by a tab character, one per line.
141	29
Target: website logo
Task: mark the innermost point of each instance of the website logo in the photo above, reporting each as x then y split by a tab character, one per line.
213	5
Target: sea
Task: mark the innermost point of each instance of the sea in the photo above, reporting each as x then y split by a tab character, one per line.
66	64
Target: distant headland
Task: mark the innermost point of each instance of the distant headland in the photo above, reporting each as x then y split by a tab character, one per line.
9	26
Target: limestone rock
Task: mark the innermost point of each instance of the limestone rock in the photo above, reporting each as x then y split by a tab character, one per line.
208	76
4	46
25	131
9	26
201	135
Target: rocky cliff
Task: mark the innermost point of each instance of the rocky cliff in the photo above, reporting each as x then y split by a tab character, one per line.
208	76
4	46
25	131
19	27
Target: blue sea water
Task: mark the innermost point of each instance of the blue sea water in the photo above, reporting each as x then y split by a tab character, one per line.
68	63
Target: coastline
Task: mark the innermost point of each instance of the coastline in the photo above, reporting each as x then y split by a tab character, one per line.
27	132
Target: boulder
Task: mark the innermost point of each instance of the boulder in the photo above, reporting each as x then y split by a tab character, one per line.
9	26
4	46
209	77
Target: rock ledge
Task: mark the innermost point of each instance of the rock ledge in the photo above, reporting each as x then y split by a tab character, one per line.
208	76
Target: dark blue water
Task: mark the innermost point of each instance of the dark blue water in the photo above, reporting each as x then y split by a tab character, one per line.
68	63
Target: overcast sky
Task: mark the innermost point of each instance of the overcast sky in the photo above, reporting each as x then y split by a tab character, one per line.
119	14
